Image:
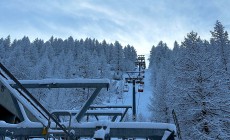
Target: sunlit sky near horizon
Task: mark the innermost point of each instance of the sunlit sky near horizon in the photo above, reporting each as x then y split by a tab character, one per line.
140	23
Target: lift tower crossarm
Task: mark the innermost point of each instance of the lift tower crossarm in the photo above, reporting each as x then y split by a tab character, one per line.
62	83
98	84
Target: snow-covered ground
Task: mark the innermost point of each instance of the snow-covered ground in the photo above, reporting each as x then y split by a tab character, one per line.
142	98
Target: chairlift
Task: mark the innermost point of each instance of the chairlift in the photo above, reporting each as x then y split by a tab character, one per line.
127	80
117	75
142	82
126	88
140	88
142	76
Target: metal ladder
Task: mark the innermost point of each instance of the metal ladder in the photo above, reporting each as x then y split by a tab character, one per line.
22	91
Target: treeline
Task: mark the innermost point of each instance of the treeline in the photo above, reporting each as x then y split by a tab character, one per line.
69	58
194	80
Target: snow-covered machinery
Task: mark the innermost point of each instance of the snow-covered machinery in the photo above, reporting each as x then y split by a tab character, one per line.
48	125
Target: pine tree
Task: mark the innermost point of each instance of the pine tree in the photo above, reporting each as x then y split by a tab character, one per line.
58	58
221	42
159	60
198	92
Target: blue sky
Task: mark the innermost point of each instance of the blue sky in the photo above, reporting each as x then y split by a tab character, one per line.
140	23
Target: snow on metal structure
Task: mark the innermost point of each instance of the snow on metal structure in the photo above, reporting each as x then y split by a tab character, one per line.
72	129
155	131
98	84
62	83
96	113
27	100
126	107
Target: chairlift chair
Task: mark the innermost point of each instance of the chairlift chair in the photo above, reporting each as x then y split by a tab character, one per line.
127	80
126	88
142	82
143	76
140	88
117	75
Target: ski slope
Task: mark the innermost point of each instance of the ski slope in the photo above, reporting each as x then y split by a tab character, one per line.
142	99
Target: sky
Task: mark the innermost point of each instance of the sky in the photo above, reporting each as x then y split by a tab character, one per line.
139	23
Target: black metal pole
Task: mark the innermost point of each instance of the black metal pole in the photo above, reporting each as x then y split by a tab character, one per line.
139	68
134	101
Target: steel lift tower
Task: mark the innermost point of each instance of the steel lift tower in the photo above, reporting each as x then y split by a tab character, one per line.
136	77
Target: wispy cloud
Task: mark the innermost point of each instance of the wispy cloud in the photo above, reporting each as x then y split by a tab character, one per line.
138	23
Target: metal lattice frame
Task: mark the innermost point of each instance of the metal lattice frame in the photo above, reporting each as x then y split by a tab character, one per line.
116	129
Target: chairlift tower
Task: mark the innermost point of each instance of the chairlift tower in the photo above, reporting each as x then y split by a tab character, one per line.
140	63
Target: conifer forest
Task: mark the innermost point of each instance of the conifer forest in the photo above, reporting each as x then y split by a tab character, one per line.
193	78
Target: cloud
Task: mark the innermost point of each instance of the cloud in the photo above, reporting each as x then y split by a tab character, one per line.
138	23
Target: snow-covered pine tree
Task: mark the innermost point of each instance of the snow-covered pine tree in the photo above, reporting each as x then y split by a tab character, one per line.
198	92
129	57
117	56
57	58
159	103
220	43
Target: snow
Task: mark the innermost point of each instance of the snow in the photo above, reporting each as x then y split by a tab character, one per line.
142	101
106	111
166	135
24	124
61	81
26	119
142	98
99	134
143	125
110	106
23	101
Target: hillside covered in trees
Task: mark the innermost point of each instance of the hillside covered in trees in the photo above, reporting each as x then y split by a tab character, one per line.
193	79
65	59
